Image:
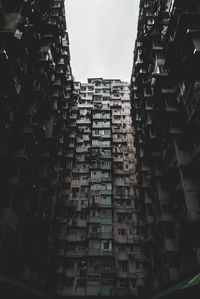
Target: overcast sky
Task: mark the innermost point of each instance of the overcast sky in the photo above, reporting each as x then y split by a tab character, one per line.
102	35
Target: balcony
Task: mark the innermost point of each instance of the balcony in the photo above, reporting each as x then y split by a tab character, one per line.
106	290
121	239
122	256
106	252
106	179
138	256
106	192
106	235
95	235
75	238
118	159
94	219
93	290
84	121
121	274
116	121
117	139
120	183
95	179
106	167
105	155
93	252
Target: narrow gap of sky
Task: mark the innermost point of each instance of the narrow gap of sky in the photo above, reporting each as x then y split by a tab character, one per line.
102	36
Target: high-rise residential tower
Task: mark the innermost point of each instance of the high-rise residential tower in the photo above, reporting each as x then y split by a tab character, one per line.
100	250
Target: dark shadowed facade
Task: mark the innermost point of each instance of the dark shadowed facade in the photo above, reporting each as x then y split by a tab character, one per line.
165	86
36	93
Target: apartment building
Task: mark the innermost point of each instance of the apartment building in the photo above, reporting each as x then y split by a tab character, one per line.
36	95
165	111
100	240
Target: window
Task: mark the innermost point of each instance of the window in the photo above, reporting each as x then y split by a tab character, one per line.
93	280
119	178
71	248
106	163
56	4
93	244
81	282
106	245
108	186
121	217
105	201
97	91
106	282
69	282
94	228
123	266
121	248
95	141
72	232
122	231
106	228
106	213
106	144
95	187
95	173
94	213
133	282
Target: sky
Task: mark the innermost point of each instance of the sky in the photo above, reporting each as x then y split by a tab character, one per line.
102	36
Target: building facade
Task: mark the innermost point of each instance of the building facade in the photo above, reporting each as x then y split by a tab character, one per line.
36	95
99	241
165	110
